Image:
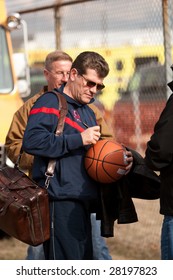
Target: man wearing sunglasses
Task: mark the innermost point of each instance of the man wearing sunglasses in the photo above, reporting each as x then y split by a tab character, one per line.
56	72
73	194
92	84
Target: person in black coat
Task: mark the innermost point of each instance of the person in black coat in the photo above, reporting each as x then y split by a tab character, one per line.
159	157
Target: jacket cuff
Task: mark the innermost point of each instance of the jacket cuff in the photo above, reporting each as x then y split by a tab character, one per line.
74	141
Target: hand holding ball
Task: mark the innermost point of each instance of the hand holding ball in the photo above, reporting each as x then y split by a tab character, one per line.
105	161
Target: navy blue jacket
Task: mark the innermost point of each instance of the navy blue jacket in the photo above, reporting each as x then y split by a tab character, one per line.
70	177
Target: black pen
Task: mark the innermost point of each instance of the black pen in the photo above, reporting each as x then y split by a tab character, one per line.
88	126
85	124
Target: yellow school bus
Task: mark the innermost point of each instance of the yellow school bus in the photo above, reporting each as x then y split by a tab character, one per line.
10	99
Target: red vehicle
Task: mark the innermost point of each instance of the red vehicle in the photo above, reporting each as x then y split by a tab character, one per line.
138	109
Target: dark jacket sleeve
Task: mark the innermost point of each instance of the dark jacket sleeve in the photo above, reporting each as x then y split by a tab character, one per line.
115	203
143	182
159	152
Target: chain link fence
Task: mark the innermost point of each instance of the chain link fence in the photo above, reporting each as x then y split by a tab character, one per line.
135	37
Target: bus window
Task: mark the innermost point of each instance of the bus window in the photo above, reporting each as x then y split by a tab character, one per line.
6	80
139	61
119	65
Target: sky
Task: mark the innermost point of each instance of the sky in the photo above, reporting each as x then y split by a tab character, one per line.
112	19
120	13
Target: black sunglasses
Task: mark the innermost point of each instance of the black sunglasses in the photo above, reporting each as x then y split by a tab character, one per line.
91	84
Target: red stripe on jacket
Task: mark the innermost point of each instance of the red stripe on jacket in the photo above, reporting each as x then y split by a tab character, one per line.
57	113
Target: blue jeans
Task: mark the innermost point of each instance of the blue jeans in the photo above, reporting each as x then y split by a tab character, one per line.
167	238
100	249
35	253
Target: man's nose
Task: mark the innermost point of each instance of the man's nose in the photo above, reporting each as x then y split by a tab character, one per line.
94	89
65	77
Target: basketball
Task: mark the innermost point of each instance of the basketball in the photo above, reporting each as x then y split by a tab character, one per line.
105	161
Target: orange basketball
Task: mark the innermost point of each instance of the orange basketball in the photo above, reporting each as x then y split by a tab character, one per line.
105	161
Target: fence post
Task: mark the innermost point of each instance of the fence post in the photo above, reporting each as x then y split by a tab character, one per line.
167	42
57	26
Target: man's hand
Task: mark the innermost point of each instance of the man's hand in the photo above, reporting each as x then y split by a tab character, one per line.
129	159
91	135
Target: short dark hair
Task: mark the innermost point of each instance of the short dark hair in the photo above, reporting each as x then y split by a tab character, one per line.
56	56
91	60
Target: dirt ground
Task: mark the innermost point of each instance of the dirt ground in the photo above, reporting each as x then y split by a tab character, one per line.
140	240
136	241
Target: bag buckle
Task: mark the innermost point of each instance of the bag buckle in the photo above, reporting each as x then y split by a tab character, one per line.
47	181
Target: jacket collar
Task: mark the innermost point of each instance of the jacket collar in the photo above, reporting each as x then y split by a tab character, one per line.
170	85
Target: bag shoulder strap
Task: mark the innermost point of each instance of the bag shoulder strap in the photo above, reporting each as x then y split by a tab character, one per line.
63	107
